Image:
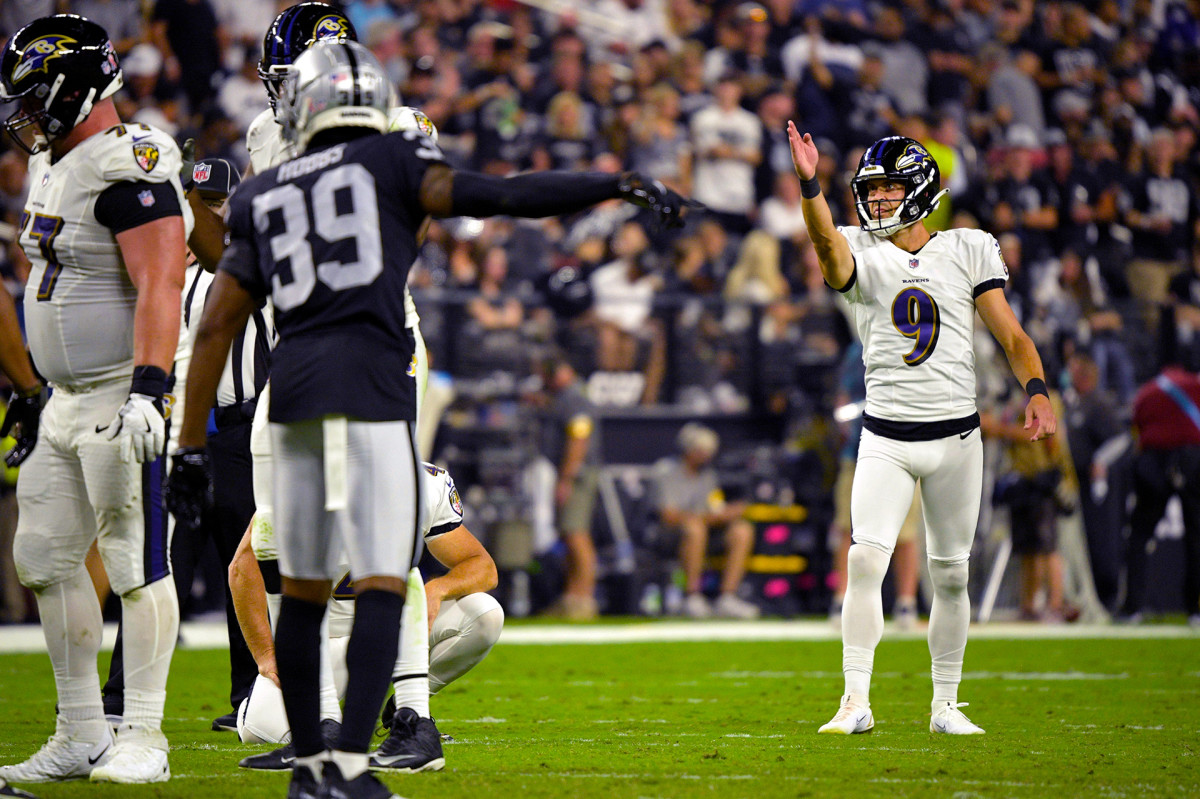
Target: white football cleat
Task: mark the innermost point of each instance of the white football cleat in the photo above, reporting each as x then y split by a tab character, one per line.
65	756
852	717
136	758
731	606
950	720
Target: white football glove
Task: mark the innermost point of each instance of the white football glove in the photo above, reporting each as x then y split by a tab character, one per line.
140	426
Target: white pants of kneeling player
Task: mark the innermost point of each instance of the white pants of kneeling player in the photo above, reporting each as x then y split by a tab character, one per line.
951	473
464	631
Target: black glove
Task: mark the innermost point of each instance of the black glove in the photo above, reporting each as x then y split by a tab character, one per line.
666	205
188	152
24	414
189	486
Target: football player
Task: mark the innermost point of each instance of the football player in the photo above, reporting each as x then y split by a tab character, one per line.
104	227
463	625
344	401
914	296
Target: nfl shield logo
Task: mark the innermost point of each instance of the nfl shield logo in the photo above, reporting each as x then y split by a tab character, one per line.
201	172
913	263
146	198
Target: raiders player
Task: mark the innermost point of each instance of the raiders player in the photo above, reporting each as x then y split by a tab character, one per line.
344	404
104	227
914	296
464	623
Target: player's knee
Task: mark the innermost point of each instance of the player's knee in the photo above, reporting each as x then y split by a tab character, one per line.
949	576
488	625
867	562
35	569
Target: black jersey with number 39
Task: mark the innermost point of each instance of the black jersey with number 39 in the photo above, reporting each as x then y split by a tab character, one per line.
330	237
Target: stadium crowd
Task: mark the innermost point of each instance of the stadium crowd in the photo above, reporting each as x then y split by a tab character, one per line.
1066	129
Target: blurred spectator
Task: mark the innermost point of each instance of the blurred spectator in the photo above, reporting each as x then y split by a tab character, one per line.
1093	422
780	214
570	442
565	142
241	95
121	19
756	62
188	34
659	145
1023	200
1184	301
687	72
629	338
692	506
1041	486
1012	92
1166	423
868	111
365	13
774	111
905	68
728	141
1162	211
756	277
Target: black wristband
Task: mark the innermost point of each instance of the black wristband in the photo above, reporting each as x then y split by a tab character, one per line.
149	380
1037	386
810	188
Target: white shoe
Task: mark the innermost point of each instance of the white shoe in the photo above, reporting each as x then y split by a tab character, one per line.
136	758
950	720
852	717
696	606
731	606
63	757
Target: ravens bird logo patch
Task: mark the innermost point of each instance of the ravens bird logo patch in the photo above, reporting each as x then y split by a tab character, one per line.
146	155
330	27
38	52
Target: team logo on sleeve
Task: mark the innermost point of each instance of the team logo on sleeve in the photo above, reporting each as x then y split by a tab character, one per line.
146	155
330	27
201	173
1000	255
39	51
455	502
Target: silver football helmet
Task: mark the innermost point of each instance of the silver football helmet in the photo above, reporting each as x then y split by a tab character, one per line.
334	84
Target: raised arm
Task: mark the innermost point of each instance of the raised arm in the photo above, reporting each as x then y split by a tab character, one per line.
833	251
1023	357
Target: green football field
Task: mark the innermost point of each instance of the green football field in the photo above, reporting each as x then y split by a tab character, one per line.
1086	717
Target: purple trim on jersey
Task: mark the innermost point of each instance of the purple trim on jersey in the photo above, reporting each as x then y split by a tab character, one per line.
988	285
155	561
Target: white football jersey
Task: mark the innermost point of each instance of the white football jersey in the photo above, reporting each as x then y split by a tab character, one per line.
80	303
268	149
915	314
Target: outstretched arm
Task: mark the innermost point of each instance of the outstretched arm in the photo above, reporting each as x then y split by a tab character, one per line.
447	192
833	251
1023	357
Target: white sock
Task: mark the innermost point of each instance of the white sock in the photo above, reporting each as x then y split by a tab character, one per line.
949	619
72	625
151	626
410	676
313	763
330	709
465	631
351	763
862	615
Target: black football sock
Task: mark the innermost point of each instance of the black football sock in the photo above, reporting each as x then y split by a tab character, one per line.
298	658
369	660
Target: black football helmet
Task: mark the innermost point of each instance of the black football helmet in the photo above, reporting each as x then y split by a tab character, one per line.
293	32
905	161
56	68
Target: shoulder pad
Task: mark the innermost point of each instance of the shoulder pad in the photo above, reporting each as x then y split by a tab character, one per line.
406	117
136	152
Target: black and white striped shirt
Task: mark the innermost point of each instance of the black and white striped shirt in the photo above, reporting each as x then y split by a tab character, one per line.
248	365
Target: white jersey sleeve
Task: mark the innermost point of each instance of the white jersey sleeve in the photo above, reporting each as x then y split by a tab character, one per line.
444	510
990	271
264	140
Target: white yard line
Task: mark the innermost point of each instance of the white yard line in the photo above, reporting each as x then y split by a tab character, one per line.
211	635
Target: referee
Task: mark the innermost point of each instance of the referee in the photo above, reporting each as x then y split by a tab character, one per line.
245	374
